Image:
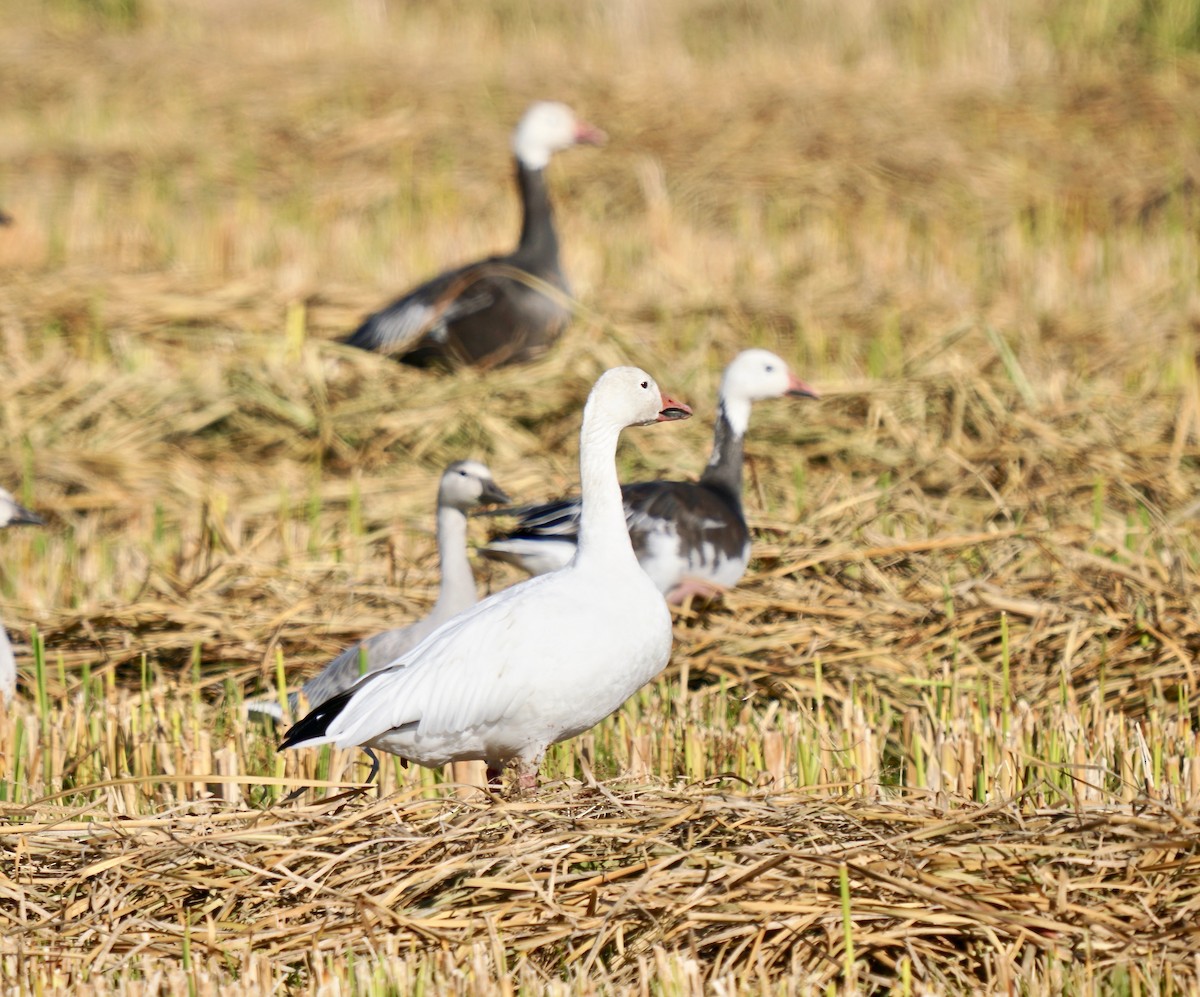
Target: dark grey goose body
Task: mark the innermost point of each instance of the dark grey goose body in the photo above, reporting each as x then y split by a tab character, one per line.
503	309
690	537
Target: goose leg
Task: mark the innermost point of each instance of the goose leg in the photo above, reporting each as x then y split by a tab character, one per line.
526	778
527	775
694	588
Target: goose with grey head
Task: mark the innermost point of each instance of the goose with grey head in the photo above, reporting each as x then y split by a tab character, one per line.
464	485
536	663
690	537
503	309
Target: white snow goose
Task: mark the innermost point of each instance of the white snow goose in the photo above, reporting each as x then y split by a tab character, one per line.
491	313
690	537
11	514
536	663
464	485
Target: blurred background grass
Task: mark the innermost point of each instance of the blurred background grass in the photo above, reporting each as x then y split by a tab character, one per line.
972	225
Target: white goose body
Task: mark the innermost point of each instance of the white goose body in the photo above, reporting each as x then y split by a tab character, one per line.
457	709
464	485
690	537
537	663
11	514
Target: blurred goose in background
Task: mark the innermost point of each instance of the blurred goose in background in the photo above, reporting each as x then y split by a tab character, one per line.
465	484
11	514
498	310
690	537
536	663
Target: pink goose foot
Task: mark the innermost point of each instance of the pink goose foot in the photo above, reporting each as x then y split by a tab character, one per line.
694	588
527	776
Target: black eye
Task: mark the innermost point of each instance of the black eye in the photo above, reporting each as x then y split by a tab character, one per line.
770	367
645	384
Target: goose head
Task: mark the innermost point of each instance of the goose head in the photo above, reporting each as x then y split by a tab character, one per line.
753	376
12	513
468	483
549	127
756	374
628	396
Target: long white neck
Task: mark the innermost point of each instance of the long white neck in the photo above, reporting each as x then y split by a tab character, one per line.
603	535
8	668
736	408
457	591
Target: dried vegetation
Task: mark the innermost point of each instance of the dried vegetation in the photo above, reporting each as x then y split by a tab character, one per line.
944	736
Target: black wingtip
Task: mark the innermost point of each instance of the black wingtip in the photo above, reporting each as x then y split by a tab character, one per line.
25	517
316	722
361	337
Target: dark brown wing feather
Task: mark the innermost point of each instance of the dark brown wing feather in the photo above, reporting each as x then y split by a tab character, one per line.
477	315
698	514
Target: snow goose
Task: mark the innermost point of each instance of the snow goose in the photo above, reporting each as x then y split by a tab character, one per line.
690	537
464	485
536	663
491	312
11	514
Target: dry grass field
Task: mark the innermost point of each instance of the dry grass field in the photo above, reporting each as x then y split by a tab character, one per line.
946	735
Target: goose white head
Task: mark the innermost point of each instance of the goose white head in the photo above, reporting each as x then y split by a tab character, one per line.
468	483
755	375
628	396
549	127
12	513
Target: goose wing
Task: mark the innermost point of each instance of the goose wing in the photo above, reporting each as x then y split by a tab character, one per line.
471	672
427	311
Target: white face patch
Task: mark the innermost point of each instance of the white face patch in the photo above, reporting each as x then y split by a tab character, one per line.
546	128
463	483
752	376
